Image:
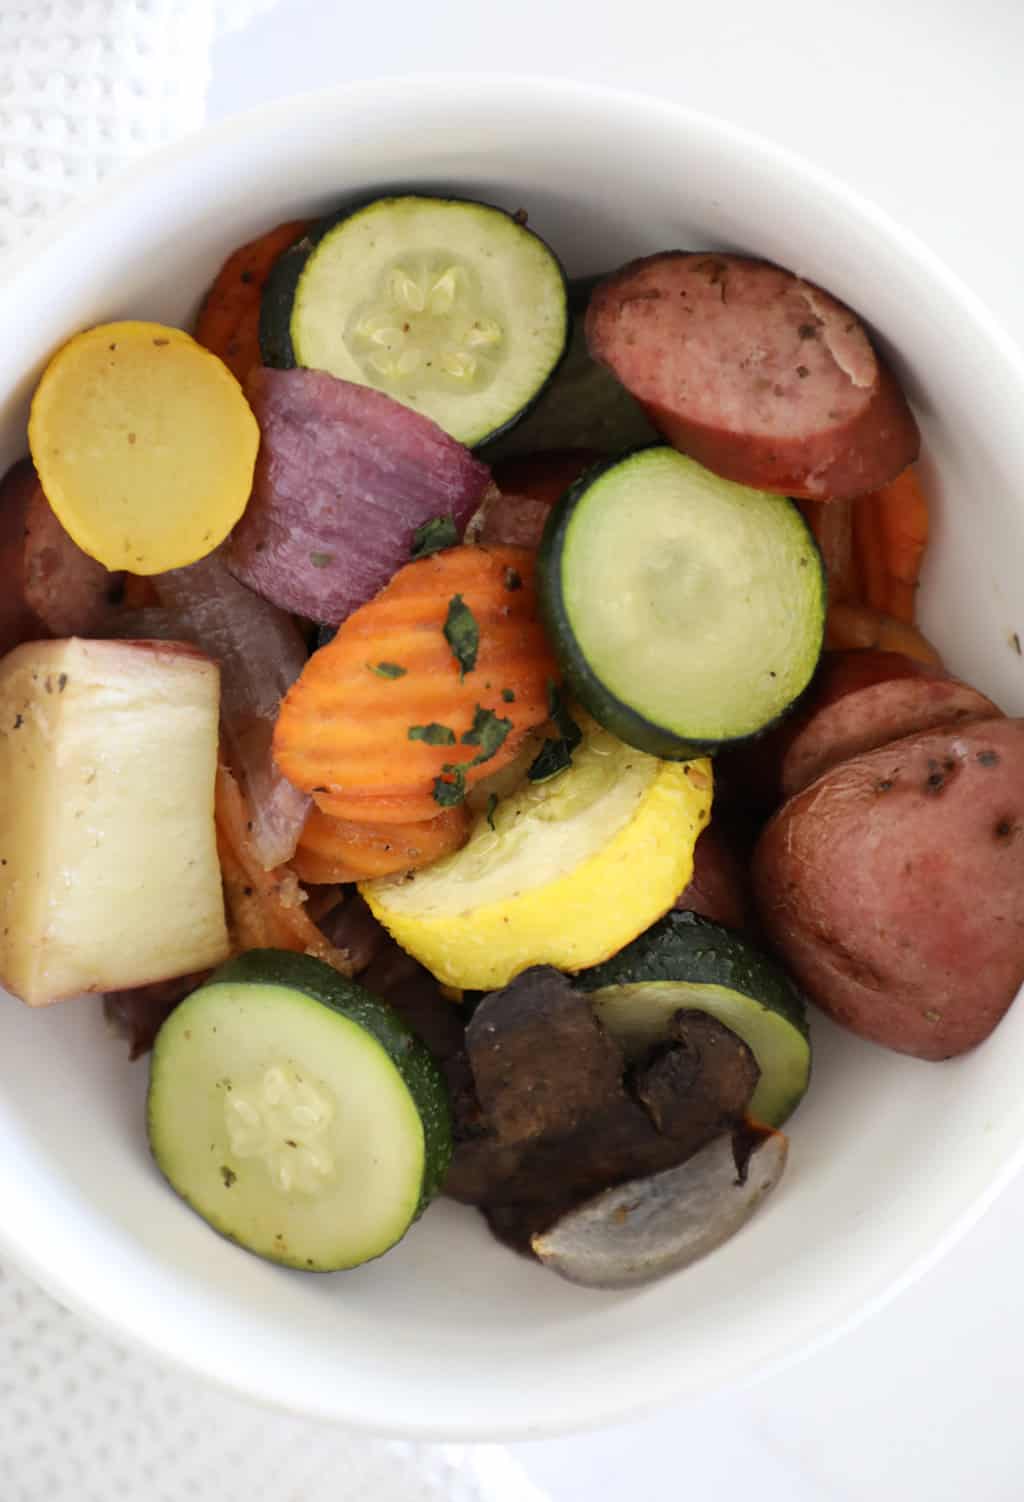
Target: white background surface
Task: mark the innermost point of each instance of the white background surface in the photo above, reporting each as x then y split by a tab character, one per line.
920	105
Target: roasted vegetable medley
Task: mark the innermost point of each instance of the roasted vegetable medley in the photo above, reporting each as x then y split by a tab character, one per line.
458	719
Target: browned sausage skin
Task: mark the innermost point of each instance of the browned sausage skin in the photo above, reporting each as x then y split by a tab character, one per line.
719	886
893	887
69	591
18	621
763	378
50	587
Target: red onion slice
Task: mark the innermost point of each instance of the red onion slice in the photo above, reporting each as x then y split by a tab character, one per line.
344	477
261	653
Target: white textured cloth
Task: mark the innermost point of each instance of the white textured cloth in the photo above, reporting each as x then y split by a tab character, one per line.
82	1420
87	84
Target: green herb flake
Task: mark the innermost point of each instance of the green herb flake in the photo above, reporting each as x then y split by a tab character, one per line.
508	696
321	560
552	758
556	753
440	532
513	580
488	731
387	669
450	787
462	634
492	803
434	734
564	722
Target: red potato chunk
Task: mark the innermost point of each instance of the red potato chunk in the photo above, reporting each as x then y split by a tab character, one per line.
893	887
866	699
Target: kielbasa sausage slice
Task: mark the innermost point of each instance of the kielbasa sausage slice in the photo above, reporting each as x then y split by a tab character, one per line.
762	377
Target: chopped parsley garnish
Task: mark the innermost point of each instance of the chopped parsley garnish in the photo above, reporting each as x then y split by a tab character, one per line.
556	753
440	532
387	669
508	696
434	734
450	790
321	560
462	634
488	731
564	722
513	579
492	803
552	758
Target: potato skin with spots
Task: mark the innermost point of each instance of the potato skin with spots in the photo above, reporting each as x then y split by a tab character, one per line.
893	887
866	699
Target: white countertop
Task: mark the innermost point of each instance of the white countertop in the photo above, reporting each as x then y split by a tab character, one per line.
920	105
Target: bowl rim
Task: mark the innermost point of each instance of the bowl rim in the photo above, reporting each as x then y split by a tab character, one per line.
26	262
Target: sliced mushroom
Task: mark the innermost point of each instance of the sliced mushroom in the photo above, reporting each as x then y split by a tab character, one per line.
648	1228
542	1062
547	1114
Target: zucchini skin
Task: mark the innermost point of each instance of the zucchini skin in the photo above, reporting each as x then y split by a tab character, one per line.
687	948
420	1073
276	347
606	707
276	303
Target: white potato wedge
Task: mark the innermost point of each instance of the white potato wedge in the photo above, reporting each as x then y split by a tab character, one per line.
109	875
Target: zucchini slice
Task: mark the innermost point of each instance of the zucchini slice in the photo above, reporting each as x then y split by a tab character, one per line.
562	872
583	407
686	611
454	308
689	962
296	1114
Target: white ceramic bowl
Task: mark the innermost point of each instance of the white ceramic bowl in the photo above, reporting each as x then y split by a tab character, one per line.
450	1335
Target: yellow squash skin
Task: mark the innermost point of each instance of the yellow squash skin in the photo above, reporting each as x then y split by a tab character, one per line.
145	445
587	910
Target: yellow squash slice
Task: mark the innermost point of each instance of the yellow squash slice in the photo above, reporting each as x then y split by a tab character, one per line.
573	869
145	445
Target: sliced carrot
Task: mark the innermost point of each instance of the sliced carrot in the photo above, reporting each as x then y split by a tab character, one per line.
851	626
265	908
902	513
229	319
386	710
832	525
320	870
382	849
869	547
411	810
890	529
